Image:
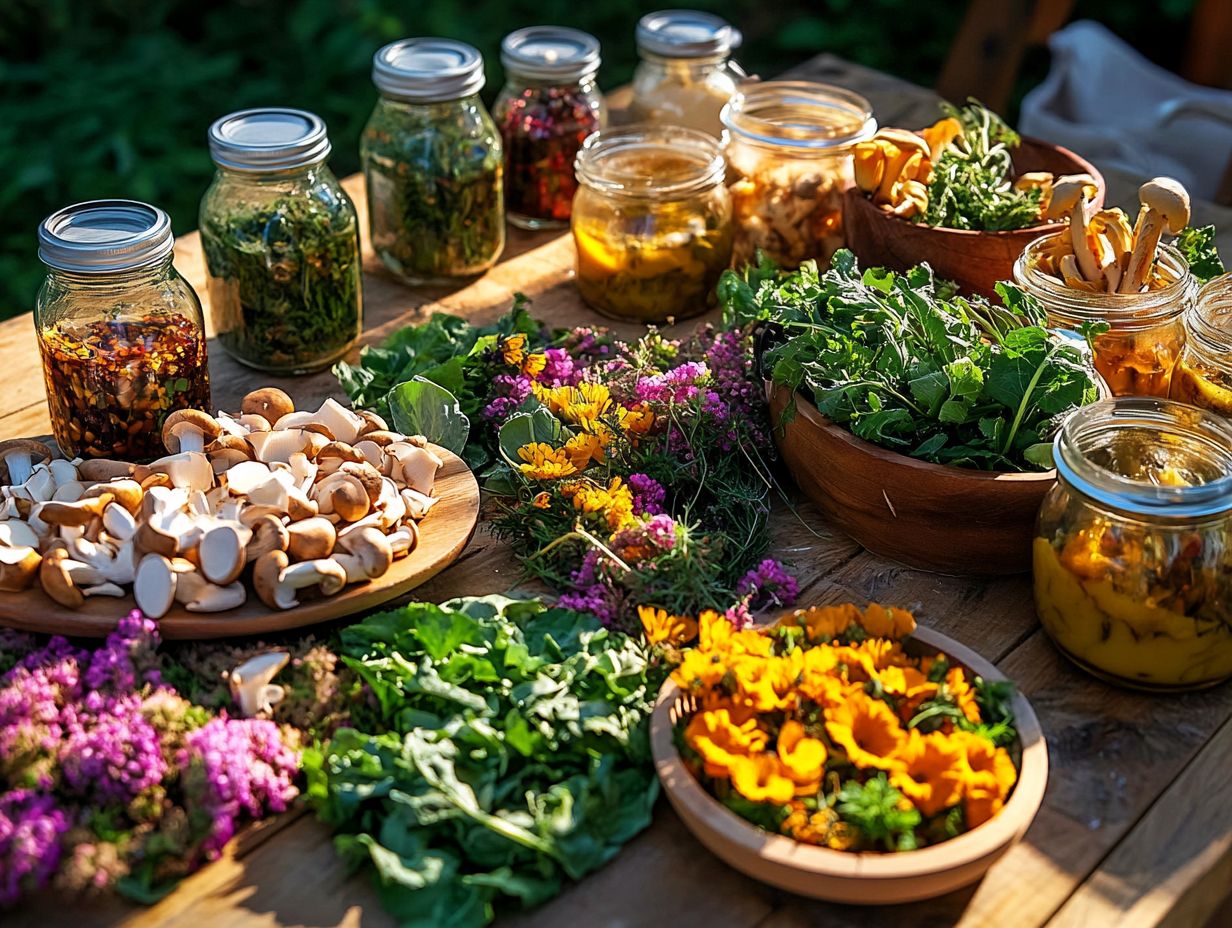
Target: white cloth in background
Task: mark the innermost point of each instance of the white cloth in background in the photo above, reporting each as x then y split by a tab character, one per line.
1109	104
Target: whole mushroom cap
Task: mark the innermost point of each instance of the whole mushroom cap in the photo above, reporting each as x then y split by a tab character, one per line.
174	423
270	403
1162	194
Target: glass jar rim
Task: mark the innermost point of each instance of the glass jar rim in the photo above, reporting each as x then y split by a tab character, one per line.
602	161
1208	434
545	53
105	237
1216	340
268	139
676	34
1124	311
427	70
799	115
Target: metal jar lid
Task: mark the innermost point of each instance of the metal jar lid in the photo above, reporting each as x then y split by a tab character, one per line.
550	53
428	70
268	139
686	34
102	236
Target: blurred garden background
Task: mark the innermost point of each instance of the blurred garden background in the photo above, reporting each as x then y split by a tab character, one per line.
112	98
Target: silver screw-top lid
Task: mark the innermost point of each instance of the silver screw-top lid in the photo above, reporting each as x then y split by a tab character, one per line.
268	139
686	34
550	53
428	70
101	236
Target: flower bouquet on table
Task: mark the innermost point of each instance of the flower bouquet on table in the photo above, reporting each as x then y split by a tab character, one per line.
824	729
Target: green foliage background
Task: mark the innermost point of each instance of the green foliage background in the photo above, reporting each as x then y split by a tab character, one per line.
112	98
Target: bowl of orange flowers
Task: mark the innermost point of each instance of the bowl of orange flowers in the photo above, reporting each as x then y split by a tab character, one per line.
847	755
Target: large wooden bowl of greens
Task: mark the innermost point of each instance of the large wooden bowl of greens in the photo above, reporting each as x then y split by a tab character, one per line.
976	224
919	422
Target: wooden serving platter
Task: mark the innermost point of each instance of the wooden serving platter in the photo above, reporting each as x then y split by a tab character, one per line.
443	534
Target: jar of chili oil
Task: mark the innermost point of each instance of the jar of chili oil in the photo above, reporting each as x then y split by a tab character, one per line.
120	331
548	106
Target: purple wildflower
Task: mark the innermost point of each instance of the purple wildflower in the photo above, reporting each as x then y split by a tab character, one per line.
127	659
677	385
559	369
110	751
590	593
509	392
768	584
648	494
30	831
237	767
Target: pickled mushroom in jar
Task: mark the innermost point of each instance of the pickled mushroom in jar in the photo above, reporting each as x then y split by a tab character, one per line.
791	210
1142	362
1203	376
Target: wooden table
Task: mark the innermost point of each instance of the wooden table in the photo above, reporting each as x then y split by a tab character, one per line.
1136	826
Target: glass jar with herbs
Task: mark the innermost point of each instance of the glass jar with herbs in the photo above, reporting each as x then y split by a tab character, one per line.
433	163
1143	333
1133	549
790	146
685	75
652	222
548	106
281	243
1203	374
120	331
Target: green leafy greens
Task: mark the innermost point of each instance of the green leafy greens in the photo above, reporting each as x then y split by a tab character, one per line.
907	366
1197	245
972	184
502	749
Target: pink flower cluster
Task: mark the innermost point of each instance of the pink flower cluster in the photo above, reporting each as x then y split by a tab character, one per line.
31	827
677	385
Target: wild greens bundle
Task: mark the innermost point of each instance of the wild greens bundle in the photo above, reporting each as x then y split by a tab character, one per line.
905	364
503	749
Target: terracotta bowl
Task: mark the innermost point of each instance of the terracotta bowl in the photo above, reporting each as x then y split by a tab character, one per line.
975	260
948	519
844	876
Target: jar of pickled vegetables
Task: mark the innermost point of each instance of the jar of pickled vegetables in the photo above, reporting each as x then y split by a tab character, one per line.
1145	334
1133	553
685	75
120	331
548	106
651	221
432	161
789	149
1203	375
281	243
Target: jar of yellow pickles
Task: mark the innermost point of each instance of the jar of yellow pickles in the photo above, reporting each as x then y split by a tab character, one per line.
1146	332
1203	375
651	221
1132	555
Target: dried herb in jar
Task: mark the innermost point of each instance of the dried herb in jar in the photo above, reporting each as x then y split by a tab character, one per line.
543	129
434	189
284	281
111	382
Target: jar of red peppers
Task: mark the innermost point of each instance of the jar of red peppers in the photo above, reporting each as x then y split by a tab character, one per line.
548	106
120	331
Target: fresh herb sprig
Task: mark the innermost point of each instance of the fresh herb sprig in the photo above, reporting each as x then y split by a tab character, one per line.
902	365
972	185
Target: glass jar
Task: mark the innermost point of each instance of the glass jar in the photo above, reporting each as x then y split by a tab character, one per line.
432	162
548	106
281	244
685	76
1203	375
120	331
1145	330
789	150
1133	557
651	221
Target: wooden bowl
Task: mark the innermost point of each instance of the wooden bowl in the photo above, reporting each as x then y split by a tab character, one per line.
948	519
845	876
975	260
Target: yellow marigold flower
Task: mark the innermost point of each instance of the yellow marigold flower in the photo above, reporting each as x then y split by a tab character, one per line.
868	731
750	641
614	502
827	621
542	501
543	462
932	775
803	758
906	682
721	740
988	776
699	671
860	664
582	449
964	694
663	627
714	630
887	623
826	689
759	684
637	419
759	778
513	349
586	403
534	364
883	653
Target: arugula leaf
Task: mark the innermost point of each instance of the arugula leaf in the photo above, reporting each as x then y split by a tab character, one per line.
1197	245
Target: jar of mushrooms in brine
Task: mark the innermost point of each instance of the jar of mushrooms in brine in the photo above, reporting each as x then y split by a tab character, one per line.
789	151
1113	284
1203	375
120	331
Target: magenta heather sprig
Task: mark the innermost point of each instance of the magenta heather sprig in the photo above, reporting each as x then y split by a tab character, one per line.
768	584
31	826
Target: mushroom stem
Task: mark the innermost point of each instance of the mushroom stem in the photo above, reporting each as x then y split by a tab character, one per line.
20	467
191	439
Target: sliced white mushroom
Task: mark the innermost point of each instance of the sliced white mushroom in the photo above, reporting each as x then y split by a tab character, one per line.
190	469
15	533
103	589
390	504
278	445
417	504
63	471
196	594
69	492
403	541
154	585
19	565
342	423
222	554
